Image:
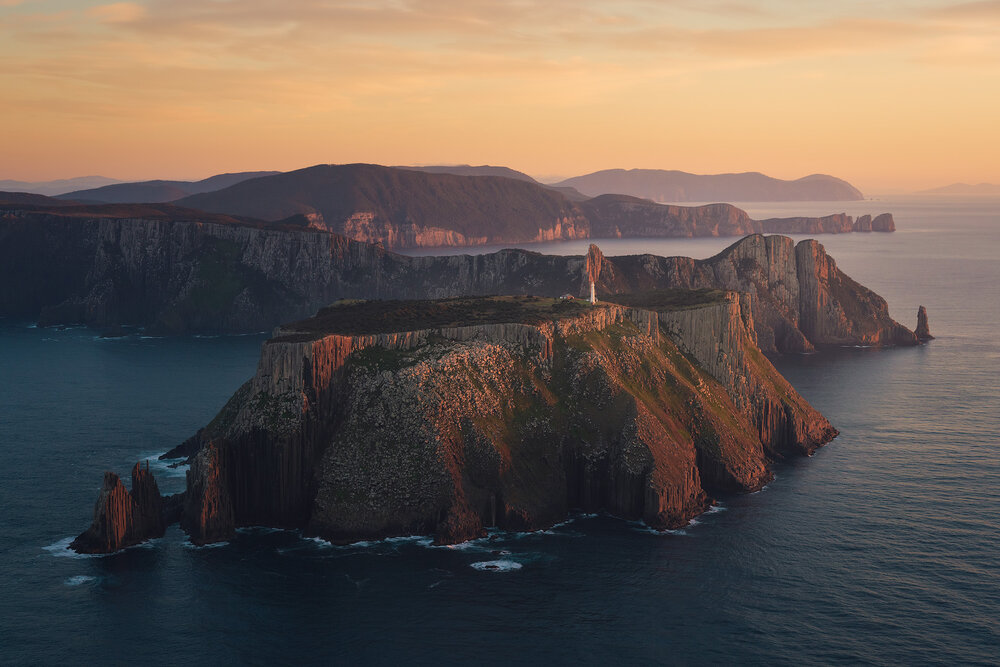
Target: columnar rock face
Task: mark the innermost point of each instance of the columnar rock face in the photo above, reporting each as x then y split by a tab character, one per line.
839	223
123	518
455	429
836	310
923	331
721	338
187	277
800	299
208	502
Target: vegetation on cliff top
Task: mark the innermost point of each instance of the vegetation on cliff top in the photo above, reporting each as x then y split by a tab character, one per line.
357	317
360	317
665	300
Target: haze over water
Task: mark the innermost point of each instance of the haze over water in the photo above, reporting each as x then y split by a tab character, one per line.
883	548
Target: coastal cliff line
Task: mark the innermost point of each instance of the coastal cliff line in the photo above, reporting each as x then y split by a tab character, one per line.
172	274
405	208
509	412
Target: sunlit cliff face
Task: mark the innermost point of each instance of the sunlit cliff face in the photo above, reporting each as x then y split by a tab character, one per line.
894	96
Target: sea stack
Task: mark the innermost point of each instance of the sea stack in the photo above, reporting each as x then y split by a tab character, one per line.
123	518
922	331
884	223
595	258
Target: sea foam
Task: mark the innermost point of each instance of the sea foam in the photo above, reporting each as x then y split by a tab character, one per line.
496	565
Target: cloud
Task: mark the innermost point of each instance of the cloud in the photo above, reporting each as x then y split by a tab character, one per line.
119	12
344	54
983	10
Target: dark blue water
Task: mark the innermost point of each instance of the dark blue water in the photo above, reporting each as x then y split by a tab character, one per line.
883	548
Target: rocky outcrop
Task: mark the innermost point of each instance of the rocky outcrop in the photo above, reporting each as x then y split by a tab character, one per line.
177	276
884	223
451	430
923	331
123	518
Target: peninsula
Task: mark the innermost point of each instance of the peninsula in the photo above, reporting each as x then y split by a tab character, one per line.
447	417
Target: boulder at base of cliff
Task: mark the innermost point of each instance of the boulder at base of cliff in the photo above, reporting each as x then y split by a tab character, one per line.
922	331
123	518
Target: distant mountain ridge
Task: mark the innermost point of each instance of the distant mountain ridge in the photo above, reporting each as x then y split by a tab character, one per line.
403	208
32	199
57	187
160	191
678	186
505	172
964	189
469	170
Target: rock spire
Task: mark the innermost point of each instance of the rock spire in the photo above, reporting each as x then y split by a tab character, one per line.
595	258
922	331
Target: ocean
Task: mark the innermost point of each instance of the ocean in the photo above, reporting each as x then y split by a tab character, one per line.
883	548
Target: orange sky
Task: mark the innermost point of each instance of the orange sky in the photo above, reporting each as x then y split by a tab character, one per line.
894	98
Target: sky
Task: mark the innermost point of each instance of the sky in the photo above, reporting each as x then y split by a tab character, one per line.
892	96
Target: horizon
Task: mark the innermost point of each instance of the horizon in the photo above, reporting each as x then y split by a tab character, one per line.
890	99
543	179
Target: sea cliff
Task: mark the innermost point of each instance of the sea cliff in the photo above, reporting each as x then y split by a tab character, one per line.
180	274
508	412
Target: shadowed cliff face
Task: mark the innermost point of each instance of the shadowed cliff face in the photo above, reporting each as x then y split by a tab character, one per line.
450	430
191	277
